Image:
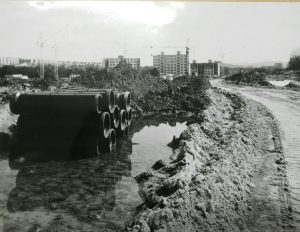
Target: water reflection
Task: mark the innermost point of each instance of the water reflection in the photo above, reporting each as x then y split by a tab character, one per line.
92	193
83	189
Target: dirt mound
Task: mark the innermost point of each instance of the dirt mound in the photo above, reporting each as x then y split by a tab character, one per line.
207	185
124	78
294	85
182	97
249	78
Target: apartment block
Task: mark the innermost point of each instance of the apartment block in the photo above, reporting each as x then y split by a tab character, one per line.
113	62
210	69
9	61
177	64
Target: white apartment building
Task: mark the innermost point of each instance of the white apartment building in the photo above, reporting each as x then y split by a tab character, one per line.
177	65
9	61
113	62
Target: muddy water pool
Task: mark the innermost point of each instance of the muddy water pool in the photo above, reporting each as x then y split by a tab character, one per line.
94	194
280	83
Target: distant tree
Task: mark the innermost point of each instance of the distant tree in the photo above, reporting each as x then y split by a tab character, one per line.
294	63
149	70
154	72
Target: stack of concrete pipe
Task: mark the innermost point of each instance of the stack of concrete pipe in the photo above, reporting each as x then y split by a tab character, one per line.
75	121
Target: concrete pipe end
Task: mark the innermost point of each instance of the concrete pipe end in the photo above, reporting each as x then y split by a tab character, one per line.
13	103
105	125
123	120
113	136
99	102
128	100
129	116
111	101
117	98
116	117
108	101
125	100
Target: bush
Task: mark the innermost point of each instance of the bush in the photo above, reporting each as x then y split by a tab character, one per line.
294	63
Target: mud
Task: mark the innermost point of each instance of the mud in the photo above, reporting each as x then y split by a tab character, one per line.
218	180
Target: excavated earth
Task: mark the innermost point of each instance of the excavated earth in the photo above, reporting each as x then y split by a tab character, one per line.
228	174
228	170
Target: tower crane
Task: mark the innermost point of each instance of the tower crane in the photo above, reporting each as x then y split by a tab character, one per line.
54	47
42	42
222	53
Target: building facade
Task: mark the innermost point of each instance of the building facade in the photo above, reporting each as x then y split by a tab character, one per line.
210	69
9	61
113	62
178	64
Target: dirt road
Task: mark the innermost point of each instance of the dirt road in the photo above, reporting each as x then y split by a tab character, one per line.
285	106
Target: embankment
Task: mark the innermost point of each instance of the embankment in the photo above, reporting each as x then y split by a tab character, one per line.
222	175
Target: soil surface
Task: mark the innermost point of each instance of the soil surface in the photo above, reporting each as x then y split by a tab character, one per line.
285	106
228	174
229	170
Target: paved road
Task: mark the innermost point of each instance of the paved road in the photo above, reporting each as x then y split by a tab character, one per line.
285	106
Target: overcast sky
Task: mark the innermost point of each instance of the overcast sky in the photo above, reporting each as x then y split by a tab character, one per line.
90	31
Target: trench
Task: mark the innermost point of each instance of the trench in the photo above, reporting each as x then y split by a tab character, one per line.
86	194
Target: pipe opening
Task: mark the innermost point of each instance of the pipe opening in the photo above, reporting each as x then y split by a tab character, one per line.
129	114
111	101
117	96
106	124
126	131
113	136
128	100
116	117
123	119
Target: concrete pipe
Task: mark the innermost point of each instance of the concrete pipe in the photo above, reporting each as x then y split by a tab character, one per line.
125	100
117	97
58	134
105	125
113	136
50	122
122	124
107	144
126	131
45	103
108	97
115	118
128	116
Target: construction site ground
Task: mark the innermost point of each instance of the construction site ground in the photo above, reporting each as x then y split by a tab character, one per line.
232	168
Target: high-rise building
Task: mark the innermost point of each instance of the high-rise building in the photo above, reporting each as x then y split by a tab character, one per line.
209	69
113	62
177	64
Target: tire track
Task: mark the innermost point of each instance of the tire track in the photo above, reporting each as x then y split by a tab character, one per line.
285	108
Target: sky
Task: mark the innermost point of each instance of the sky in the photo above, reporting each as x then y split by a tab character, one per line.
235	33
